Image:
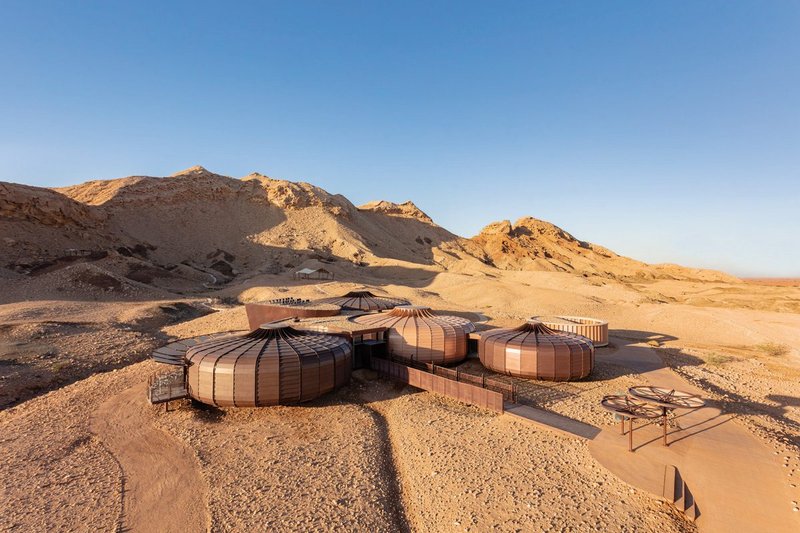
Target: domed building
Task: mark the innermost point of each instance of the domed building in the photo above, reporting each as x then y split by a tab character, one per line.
272	365
416	333
535	351
364	301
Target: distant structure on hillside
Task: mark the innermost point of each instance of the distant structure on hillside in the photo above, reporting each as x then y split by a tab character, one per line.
313	273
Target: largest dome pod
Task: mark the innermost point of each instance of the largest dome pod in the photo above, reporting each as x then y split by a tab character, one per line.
535	351
272	365
364	301
415	333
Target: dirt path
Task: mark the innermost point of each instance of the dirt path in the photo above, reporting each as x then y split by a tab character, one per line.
163	489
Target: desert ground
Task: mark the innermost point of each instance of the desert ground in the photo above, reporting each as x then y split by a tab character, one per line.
82	450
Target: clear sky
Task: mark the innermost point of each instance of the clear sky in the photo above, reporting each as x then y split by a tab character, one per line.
669	131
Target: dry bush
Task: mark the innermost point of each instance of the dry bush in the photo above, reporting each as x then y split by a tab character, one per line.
773	349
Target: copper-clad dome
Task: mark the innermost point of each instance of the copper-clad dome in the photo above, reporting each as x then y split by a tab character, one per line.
535	351
272	365
415	333
364	301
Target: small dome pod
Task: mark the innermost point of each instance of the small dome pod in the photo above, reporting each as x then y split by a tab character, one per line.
415	333
272	365
594	329
364	301
535	351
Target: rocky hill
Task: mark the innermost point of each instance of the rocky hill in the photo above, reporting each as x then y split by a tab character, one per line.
532	244
197	228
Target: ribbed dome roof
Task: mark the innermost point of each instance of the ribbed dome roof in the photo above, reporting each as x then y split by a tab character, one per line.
532	350
416	333
271	365
364	301
175	352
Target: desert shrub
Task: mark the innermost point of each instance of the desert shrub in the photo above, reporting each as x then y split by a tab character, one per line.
716	359
773	349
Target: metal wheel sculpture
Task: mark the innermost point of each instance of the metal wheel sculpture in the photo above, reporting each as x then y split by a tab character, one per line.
666	399
670	398
629	408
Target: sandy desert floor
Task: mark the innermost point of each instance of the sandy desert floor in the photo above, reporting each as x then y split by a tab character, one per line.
82	449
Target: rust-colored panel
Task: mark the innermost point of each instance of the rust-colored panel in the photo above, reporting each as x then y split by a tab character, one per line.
262	313
594	329
269	366
440	384
417	334
535	351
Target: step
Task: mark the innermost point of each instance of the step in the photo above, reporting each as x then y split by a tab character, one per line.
678	494
670	475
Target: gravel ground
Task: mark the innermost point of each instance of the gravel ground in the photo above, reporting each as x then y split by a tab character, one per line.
464	469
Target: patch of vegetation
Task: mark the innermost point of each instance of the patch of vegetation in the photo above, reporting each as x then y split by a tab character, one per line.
58	367
653	343
715	359
773	349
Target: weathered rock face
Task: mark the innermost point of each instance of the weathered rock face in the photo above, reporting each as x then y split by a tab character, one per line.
44	206
497	228
406	209
261	222
291	195
532	244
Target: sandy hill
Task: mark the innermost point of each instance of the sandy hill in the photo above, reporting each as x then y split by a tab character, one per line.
198	228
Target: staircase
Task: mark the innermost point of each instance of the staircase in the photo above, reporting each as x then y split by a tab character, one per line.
678	494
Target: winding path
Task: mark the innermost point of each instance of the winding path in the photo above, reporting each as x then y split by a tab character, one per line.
163	488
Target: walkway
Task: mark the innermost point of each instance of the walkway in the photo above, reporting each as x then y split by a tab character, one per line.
737	481
552	421
164	490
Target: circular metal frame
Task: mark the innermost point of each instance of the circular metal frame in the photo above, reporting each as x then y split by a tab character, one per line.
594	329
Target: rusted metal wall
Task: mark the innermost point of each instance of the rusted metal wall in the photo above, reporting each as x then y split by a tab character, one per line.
508	390
464	392
594	329
258	314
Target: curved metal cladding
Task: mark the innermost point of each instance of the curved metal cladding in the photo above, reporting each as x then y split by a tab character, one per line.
415	333
258	314
535	351
174	353
272	365
594	329
365	301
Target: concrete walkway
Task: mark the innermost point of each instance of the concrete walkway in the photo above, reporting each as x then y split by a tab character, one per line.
552	421
737	481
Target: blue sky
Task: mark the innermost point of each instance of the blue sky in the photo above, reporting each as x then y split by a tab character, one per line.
669	132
